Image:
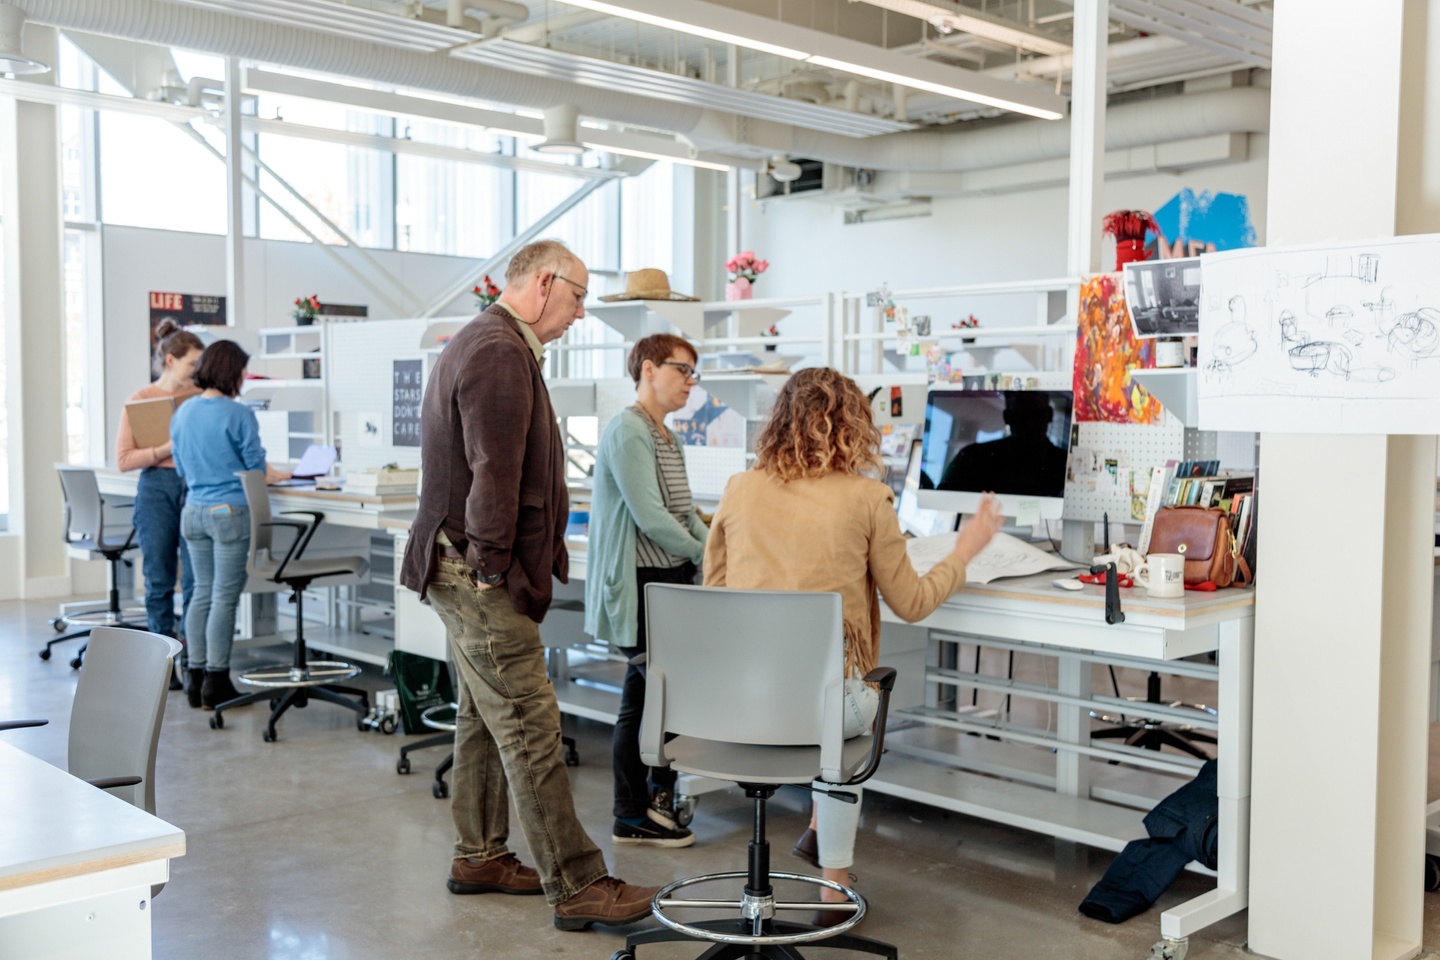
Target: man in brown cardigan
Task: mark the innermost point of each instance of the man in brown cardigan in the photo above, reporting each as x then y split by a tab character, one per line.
488	536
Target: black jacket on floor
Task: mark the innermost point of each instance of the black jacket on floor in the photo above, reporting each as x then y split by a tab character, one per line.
1182	827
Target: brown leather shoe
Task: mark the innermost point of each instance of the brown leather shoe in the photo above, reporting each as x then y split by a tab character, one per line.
609	901
504	874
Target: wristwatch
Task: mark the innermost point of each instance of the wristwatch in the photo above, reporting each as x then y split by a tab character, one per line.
490	579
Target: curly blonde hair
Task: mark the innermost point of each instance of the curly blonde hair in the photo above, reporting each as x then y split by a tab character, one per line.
821	424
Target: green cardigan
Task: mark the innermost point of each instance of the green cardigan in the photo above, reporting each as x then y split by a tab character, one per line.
626	497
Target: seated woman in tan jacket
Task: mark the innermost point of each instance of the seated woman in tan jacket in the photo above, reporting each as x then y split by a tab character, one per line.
812	515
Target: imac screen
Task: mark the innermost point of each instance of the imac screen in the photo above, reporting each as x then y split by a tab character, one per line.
1011	442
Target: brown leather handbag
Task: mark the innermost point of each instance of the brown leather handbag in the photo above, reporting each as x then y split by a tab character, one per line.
1202	535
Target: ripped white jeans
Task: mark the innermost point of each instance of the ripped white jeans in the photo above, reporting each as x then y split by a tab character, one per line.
836	820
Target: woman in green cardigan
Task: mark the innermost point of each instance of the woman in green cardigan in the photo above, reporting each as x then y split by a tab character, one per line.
643	529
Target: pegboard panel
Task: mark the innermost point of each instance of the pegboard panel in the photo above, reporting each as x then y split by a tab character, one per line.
360	361
1110	466
709	468
1201	444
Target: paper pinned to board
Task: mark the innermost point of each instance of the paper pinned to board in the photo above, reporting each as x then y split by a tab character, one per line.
1004	556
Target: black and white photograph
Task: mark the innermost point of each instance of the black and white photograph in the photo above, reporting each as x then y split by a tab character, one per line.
1163	297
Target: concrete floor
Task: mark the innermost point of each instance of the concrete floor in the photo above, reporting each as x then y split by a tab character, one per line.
313	848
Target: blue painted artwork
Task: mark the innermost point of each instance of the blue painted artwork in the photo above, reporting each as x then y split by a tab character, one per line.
1204	222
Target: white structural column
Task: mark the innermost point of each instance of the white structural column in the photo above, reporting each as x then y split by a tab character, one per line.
234	192
1344	603
1087	134
34	310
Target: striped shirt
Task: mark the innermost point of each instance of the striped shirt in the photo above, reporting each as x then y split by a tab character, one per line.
674	490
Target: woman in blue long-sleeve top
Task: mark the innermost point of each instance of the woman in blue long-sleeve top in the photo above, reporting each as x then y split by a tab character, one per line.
213	438
643	529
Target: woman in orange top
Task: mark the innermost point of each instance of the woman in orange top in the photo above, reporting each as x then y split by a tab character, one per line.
161	492
813	516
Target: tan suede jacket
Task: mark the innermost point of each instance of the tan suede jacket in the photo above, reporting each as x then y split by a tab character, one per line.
837	534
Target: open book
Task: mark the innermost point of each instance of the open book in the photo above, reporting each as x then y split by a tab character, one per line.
1004	556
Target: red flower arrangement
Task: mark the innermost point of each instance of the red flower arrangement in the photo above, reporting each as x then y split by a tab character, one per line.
1128	227
305	309
485	292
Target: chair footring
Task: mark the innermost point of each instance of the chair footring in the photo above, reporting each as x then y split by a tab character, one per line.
736	950
737	930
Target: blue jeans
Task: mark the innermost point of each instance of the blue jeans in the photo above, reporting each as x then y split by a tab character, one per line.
158	502
218	540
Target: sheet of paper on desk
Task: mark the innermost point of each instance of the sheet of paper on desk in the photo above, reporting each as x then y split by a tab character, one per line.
1004	556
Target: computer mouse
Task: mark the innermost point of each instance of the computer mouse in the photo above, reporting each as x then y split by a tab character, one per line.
1068	584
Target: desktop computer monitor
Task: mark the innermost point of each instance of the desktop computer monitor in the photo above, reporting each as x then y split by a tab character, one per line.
1014	443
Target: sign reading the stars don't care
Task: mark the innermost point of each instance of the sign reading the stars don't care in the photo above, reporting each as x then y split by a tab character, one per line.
406	394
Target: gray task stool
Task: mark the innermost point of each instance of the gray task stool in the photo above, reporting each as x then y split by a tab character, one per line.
296	683
94	532
747	686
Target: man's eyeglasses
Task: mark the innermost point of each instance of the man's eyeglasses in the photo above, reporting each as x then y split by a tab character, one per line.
686	371
584	292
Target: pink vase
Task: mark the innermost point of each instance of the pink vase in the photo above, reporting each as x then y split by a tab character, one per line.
738	289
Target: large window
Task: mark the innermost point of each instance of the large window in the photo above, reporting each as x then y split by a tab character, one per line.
350	185
589	229
450	206
647	219
4	386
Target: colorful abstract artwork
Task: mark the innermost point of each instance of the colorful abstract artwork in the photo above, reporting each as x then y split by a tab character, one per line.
1106	350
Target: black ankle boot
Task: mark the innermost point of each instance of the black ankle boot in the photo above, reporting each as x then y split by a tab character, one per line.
217	688
175	683
195	679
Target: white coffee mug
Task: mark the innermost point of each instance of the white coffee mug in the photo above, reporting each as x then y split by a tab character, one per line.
1164	574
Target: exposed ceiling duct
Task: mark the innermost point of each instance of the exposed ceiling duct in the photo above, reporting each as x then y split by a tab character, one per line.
951	149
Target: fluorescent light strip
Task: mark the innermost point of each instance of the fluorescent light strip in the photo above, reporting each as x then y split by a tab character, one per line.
681	26
720	23
940	88
642	81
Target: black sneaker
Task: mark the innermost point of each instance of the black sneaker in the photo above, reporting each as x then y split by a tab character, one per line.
650	834
662	810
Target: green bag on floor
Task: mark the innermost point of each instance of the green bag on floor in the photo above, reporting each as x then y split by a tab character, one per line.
420	683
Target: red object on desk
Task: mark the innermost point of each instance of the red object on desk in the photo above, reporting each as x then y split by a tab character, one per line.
1124	581
1206	586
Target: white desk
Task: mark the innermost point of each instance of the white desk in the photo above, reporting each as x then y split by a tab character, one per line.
1029	612
76	865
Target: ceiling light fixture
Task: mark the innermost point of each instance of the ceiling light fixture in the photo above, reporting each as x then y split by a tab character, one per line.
714	22
562	136
12	28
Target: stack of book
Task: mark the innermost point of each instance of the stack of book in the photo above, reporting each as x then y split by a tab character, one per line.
383	483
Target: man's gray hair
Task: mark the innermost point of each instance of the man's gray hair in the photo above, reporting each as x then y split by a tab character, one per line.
535	257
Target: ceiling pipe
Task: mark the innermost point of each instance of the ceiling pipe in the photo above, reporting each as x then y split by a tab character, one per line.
1127	125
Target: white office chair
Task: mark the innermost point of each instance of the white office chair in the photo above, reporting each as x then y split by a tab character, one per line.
96	528
747	686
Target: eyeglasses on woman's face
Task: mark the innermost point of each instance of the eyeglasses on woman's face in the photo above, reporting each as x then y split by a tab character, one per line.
686	370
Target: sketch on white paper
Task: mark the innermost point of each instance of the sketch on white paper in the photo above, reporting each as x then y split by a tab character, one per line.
1356	327
1003	556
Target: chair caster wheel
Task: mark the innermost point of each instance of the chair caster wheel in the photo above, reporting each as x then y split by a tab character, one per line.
387	726
267	735
76	663
440	789
360	723
58	624
402	766
1168	949
217	722
45	654
1432	873
685	809
572	757
623	955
